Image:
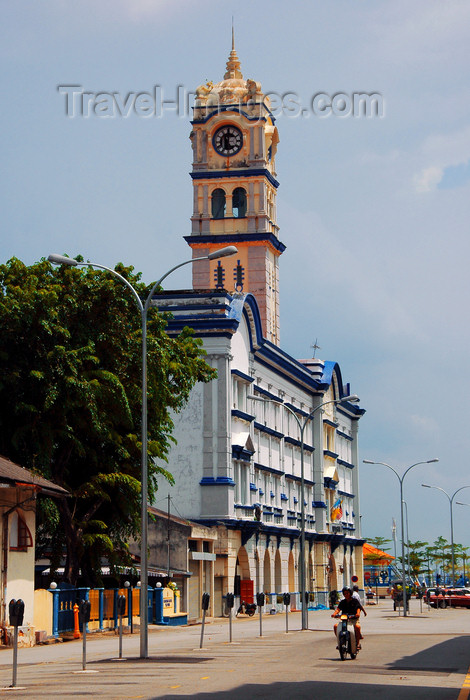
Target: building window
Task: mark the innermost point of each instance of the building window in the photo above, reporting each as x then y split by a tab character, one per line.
218	204
239	202
20	536
330	438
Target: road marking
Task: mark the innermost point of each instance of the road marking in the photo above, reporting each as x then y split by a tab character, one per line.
175	686
465	690
204	678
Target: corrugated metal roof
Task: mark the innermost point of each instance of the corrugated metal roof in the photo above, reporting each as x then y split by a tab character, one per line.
13	474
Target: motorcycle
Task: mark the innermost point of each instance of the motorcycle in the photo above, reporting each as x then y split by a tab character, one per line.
346	637
246	609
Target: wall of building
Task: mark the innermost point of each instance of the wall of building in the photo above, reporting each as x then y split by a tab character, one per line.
19	579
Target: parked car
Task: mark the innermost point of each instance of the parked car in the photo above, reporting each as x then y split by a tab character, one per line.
453	597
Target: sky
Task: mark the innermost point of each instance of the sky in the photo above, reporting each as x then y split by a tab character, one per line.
374	211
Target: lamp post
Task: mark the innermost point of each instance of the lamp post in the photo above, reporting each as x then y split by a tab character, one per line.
401	479
464	555
351	398
143	309
407	538
451	502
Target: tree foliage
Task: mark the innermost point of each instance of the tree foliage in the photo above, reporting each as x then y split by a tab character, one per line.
70	398
379	543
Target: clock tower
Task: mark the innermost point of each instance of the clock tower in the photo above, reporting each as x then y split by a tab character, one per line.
234	143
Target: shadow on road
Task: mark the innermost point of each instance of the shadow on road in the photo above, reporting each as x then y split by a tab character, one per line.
157	660
450	656
332	691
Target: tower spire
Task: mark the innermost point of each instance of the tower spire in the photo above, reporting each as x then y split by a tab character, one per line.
233	63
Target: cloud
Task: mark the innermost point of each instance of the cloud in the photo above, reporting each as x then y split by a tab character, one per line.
444	153
428	179
424	423
348	277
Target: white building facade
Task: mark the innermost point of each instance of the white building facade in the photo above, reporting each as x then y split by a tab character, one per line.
237	461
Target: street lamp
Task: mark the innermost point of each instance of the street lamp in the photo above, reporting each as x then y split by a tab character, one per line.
464	556
143	309
351	398
400	479
407	538
451	501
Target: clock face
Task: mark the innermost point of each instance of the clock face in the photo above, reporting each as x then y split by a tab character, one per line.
227	140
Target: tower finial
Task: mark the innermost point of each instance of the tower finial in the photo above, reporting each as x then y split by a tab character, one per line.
233	63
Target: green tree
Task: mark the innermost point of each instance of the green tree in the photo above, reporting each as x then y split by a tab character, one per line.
70	399
379	542
461	554
417	557
442	554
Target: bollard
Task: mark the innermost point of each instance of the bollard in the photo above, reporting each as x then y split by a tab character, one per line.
16	610
76	624
286	597
121	606
205	606
230	601
260	604
84	616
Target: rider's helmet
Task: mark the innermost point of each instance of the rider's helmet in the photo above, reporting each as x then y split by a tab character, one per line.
346	588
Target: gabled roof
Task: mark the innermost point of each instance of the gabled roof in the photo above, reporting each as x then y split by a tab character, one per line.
14	475
215	313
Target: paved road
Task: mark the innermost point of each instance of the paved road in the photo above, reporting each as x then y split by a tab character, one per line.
426	655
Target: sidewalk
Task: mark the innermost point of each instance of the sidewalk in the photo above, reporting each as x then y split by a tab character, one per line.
176	662
380	619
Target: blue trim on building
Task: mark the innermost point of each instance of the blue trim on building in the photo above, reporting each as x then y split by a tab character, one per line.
196	307
297	443
326	421
293	477
345	493
235	238
238	172
241	453
329	453
219	481
296	409
271	470
242	375
285	365
268	394
319	504
242	415
269	431
352	409
348	465
343	435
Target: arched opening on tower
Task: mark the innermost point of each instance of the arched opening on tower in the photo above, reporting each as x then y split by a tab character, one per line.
218	204
239	203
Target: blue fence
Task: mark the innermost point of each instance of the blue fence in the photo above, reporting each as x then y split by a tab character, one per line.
104	606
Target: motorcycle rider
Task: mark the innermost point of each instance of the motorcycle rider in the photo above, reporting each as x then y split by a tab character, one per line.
350	606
